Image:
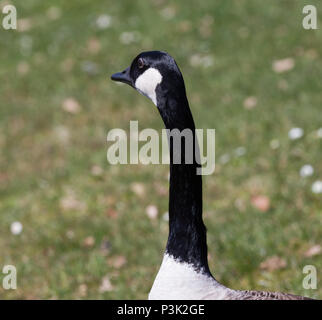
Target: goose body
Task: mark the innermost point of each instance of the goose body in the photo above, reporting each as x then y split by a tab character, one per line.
184	272
180	280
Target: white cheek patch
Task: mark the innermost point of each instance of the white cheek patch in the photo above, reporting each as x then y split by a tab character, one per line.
147	82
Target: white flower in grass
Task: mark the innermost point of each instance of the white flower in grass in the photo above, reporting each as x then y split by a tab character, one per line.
275	144
62	134
319	133
166	216
26	44
152	212
103	21
130	37
317	187
168	13
306	171
16	228
54	13
224	158
197	60
207	61
90	67
240	151
295	133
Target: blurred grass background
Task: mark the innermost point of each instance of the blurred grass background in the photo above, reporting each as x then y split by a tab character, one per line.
86	233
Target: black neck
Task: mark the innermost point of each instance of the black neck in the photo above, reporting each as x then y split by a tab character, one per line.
187	233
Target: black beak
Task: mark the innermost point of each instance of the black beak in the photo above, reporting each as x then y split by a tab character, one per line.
123	76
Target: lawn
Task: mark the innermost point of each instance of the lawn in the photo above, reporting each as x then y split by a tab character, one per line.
252	72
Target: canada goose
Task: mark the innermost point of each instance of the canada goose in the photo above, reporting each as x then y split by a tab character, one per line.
184	272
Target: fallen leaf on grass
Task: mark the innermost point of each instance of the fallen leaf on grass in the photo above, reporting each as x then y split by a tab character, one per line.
313	251
88	242
283	84
283	65
206	26
250	102
23	68
106	285
70	234
111	213
24	25
184	26
273	263
71	105
117	261
3	177
138	188
67	65
96	171
82	290
70	202
161	189
262	203
93	45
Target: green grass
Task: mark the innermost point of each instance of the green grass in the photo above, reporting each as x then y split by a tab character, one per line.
47	154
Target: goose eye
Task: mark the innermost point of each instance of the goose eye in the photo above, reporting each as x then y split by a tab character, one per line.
140	63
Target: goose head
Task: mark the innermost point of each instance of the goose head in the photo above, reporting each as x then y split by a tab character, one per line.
154	74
